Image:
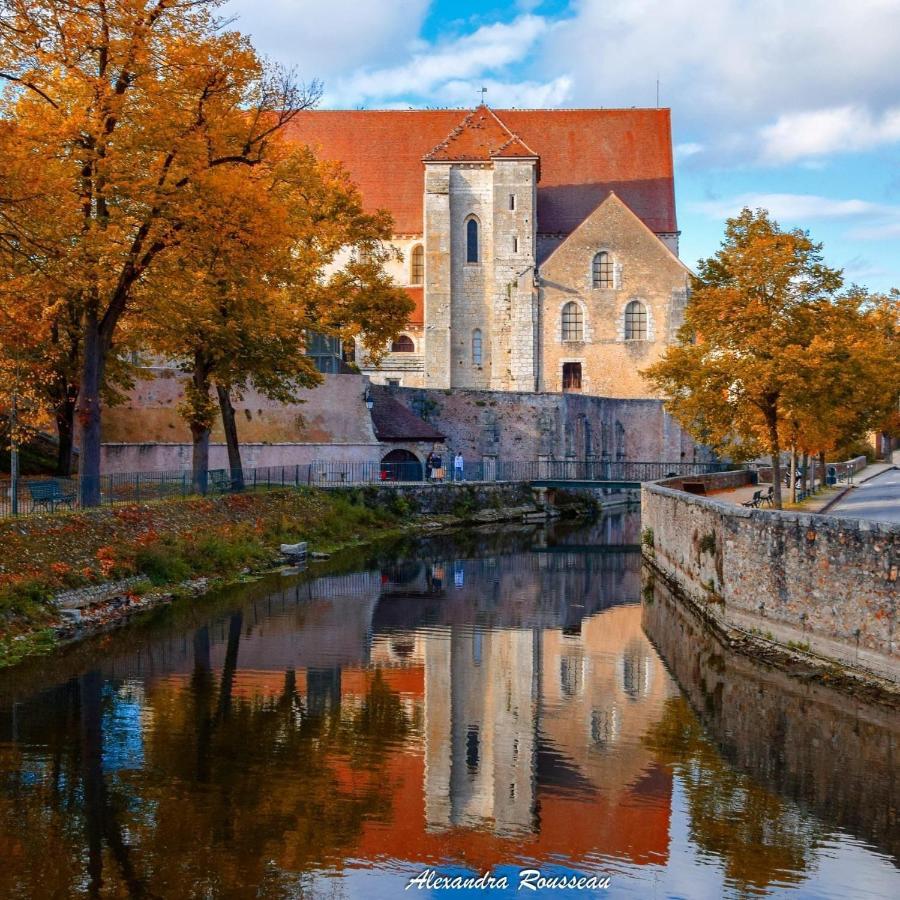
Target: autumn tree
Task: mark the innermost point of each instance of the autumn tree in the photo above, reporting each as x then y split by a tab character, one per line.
725	379
289	251
845	379
132	105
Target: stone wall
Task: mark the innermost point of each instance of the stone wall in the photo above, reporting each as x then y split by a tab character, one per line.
517	425
644	270
818	580
824	750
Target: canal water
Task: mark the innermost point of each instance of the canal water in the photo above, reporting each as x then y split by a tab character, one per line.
455	705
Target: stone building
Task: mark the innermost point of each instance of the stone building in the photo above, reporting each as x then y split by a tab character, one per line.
540	246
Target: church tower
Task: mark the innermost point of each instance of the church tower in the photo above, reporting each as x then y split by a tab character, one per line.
480	227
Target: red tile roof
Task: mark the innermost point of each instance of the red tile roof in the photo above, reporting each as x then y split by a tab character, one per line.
480	135
584	154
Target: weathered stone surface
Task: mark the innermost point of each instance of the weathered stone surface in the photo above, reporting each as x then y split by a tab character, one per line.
827	578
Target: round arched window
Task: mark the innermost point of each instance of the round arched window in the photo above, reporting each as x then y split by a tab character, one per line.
403	344
572	322
635	321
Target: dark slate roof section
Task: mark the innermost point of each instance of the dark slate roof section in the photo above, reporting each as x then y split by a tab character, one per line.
394	422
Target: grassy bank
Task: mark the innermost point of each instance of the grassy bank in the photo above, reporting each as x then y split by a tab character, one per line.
218	550
169	543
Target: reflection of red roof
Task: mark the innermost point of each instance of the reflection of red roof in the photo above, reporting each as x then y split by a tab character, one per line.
584	154
480	135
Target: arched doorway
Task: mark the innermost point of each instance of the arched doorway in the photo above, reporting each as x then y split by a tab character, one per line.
401	465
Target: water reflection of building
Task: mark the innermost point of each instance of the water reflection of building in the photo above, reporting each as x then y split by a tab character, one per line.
481	695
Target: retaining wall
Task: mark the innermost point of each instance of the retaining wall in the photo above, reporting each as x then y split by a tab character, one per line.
821	580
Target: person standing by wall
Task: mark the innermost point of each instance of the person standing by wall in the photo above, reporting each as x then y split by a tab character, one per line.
458	466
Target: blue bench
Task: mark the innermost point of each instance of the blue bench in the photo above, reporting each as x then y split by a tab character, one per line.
49	495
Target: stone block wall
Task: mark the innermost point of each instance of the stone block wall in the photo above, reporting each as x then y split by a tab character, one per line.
819	580
643	270
518	425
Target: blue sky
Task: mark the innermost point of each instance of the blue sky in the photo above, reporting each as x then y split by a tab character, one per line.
789	104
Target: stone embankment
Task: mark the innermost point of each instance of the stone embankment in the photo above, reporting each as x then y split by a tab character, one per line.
825	585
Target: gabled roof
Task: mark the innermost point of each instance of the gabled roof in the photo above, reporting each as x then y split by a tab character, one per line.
612	197
480	136
584	154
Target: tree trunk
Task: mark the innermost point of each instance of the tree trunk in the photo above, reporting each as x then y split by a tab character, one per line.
199	420
804	464
65	432
200	458
87	414
229	426
823	477
775	450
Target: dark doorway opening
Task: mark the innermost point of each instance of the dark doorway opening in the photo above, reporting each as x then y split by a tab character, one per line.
572	376
401	465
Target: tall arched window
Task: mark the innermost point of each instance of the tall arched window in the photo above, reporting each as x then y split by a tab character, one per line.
403	344
477	348
572	322
417	265
602	270
635	321
472	240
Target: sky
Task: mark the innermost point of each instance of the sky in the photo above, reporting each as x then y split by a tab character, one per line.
791	105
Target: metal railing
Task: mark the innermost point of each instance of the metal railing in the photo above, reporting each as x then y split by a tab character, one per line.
43	494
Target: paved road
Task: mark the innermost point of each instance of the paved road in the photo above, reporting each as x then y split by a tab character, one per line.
878	499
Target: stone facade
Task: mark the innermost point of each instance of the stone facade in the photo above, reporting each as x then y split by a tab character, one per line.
827	582
495	322
510	425
644	271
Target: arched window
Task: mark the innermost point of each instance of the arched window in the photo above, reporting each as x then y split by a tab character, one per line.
572	322
635	321
602	270
417	265
403	344
477	347
472	240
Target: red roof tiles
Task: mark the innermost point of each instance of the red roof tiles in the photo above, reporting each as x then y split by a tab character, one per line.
584	154
480	135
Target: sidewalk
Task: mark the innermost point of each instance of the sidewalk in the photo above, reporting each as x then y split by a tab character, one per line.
819	502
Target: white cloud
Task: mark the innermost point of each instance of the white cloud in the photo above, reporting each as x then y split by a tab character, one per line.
796	207
684	151
522	94
487	49
732	68
323	38
842	129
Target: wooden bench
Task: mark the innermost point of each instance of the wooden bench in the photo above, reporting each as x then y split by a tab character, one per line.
755	500
49	495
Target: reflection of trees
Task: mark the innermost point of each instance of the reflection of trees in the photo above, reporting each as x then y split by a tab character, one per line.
759	838
235	792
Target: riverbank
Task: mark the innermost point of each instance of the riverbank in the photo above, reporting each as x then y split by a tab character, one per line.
781	582
69	576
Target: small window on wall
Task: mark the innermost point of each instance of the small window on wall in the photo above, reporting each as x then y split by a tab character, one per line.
515	245
635	321
572	322
403	344
472	241
417	265
571	376
602	273
512	201
477	348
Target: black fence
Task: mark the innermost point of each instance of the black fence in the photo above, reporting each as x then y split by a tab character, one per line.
47	494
